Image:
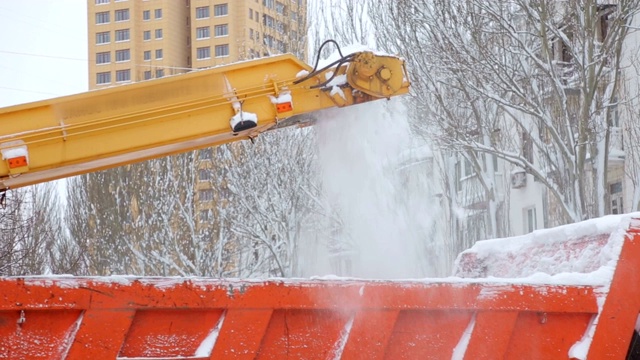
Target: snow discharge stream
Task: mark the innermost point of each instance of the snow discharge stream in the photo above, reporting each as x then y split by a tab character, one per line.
377	182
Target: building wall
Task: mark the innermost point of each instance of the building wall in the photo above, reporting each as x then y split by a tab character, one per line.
629	111
526	208
175	30
166	16
246	29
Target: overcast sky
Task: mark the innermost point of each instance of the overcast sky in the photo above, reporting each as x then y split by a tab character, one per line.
43	49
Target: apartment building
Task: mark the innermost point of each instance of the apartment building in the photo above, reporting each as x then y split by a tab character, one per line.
136	40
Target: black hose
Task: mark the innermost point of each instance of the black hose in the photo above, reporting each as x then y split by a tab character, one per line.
340	63
320	51
315	70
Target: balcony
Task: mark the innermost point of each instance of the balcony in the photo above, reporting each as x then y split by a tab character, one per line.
471	194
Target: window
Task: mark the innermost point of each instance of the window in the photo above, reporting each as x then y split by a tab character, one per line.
530	221
147	75
280	8
102	17
100	2
103	78
159	54
157	13
527	147
268	40
206	154
103	37
615	192
159	73
147	55
205	215
202	12
123	55
202	32
458	176
158	33
251	34
615	112
269	3
146	35
205	195
123	75
203	53
204	174
146	15
220	10
294	16
268	21
257	16
251	14
103	57
469	170
122	15
122	35
222	30
464	169
222	50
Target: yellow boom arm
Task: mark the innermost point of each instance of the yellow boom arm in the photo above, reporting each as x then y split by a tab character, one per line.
100	129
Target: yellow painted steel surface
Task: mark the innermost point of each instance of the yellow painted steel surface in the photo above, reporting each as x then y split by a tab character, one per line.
124	124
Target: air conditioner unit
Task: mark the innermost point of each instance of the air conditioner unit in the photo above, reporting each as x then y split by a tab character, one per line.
518	180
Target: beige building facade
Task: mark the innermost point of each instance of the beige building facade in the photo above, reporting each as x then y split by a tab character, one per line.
136	40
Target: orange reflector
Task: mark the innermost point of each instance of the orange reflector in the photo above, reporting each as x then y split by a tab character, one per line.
17	162
284	107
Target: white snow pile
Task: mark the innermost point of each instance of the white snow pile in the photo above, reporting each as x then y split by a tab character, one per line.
584	253
243	116
13	149
283	98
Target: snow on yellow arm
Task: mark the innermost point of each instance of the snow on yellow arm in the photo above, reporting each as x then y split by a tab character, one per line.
101	129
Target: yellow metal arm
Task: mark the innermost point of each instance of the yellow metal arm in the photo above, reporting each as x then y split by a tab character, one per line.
100	129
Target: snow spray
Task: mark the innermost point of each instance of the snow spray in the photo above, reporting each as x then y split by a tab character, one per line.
383	202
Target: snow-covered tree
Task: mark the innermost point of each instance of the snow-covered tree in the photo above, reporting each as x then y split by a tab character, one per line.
14	226
97	216
266	203
139	219
32	237
529	82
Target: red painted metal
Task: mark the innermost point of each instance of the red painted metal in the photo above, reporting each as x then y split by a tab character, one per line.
195	318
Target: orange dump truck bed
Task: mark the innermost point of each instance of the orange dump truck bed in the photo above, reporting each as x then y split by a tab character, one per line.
569	292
